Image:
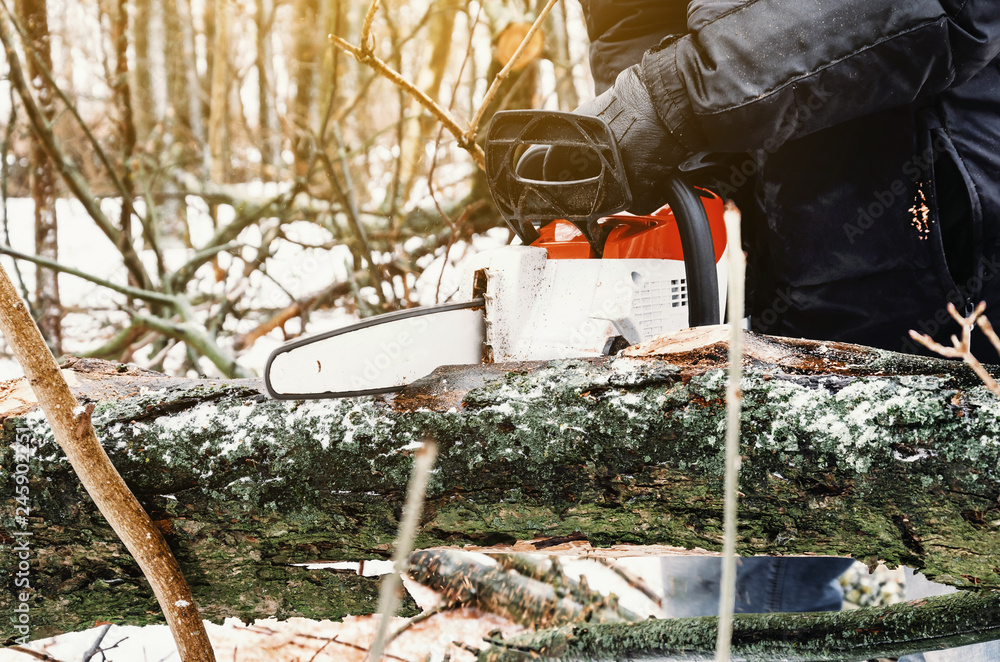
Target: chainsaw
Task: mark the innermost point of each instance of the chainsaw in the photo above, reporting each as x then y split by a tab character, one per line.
588	278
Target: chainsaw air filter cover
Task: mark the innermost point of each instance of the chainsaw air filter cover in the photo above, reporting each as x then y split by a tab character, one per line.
602	189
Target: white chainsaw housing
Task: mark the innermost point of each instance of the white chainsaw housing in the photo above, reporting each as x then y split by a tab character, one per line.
538	309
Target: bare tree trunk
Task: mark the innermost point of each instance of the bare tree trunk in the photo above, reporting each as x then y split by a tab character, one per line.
561	58
171	212
34	17
305	60
194	94
267	126
144	98
333	18
218	134
122	91
177	63
417	132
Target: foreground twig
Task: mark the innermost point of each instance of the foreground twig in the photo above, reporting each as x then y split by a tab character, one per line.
388	599
73	431
737	265
494	88
431	105
962	349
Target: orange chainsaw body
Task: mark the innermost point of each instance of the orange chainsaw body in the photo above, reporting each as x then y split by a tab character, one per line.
654	236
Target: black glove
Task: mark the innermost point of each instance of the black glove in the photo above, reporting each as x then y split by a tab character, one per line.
649	151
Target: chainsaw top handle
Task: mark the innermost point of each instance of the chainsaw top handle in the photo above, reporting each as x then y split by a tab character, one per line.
589	149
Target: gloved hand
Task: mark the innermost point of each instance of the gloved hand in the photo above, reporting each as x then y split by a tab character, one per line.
650	153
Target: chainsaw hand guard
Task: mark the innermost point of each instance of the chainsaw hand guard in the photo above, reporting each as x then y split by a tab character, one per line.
602	188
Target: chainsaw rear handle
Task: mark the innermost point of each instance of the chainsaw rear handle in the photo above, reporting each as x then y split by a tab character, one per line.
523	201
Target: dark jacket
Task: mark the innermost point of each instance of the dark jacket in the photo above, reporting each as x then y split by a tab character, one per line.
864	148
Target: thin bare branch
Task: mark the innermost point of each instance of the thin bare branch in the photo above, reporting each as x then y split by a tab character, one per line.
987	328
366	28
638	583
419	618
30	652
96	646
470	136
346	194
134	292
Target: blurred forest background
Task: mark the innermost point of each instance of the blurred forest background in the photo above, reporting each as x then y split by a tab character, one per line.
187	183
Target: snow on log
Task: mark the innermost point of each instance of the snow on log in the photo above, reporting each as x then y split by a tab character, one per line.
846	451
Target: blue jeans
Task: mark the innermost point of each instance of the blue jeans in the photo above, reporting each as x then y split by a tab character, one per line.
763	584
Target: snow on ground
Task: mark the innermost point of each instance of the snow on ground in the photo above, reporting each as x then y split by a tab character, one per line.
294	640
300	271
299	639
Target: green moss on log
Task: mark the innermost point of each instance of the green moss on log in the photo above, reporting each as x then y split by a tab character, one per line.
902	468
860	634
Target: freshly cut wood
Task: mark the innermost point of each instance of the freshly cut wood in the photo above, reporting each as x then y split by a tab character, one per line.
847	451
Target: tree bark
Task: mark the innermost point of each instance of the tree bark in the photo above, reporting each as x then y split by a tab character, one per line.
218	127
847	451
189	63
49	312
177	63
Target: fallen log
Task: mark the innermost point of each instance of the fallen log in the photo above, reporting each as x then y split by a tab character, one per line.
856	635
846	451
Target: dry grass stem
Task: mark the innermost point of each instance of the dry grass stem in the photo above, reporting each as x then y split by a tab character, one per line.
389	596
737	268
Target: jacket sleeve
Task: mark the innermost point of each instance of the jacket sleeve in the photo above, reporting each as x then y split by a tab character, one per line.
754	74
